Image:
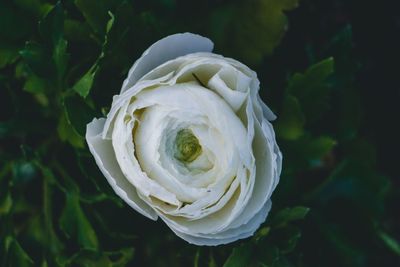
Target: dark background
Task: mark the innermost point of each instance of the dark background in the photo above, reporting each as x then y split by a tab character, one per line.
338	131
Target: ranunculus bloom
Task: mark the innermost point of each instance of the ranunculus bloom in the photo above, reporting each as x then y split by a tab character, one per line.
188	140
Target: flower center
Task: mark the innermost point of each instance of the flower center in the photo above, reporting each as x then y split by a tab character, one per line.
187	147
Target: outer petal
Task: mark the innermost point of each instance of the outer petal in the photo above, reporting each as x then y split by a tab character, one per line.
231	235
104	155
168	48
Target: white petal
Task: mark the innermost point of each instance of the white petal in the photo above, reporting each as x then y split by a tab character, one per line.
266	110
104	155
122	143
243	231
265	180
168	48
232	96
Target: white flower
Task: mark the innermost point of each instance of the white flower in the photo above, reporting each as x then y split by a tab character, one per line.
188	140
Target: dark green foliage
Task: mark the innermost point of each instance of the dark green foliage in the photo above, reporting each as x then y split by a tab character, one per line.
61	63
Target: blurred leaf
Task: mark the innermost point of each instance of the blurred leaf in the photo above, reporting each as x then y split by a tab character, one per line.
211	261
77	31
75	224
15	255
48	59
52	31
36	85
252	29
23	172
268	255
307	151
92	172
356	180
89	258
5	204
196	258
79	114
345	94
52	25
8	55
84	84
288	215
290	122
286	238
35	7
318	147
341	48
240	256
67	132
37	59
96	13
311	88
15	26
392	243
60	57
261	233
351	254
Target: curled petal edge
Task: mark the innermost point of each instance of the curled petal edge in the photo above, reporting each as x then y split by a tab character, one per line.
103	153
168	48
231	235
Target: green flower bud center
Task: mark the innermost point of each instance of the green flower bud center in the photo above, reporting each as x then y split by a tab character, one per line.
187	147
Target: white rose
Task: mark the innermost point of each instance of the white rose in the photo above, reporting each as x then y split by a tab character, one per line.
188	140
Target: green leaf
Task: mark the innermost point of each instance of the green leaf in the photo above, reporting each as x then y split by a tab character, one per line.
51	27
96	13
36	85
77	31
288	238
90	258
268	255
307	151
52	30
67	132
261	234
252	29
60	57
76	225
312	88
240	256
302	84
84	84
390	242
8	55
291	120
37	59
211	261
288	215
34	7
318	147
197	258
51	239
356	180
15	254
48	59
5	204
23	172
79	114
15	26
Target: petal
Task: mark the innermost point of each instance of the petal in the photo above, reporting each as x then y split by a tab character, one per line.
168	48
266	175
104	155
231	235
233	97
